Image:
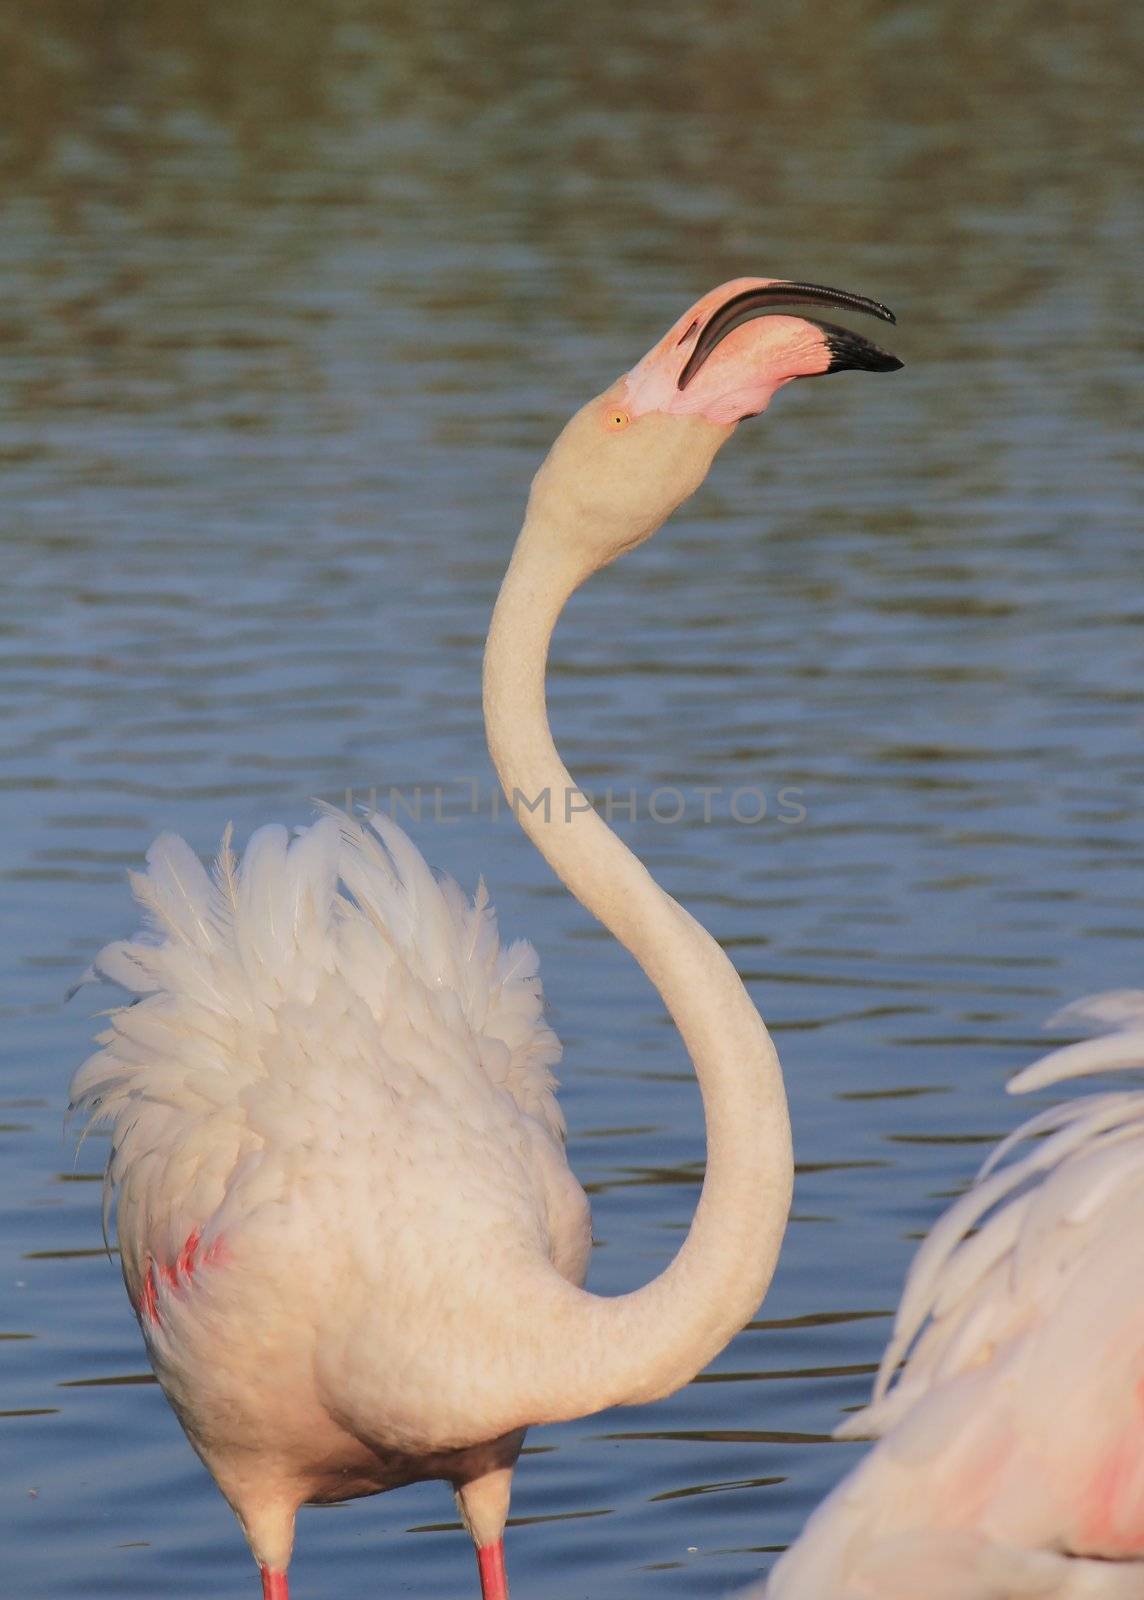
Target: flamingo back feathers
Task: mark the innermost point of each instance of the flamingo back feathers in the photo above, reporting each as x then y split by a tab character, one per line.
319	985
1000	1256
1009	1404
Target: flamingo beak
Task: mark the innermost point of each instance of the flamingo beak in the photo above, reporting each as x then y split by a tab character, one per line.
848	350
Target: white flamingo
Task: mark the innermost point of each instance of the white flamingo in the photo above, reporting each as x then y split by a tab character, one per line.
345	1218
1010	1462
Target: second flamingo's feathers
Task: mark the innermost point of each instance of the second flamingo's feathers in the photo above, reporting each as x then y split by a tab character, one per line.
999	1257
1009	1404
289	999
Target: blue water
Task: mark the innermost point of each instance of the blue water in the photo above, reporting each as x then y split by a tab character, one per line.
291	302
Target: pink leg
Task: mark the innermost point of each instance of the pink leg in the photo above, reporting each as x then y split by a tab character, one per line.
490	1565
273	1585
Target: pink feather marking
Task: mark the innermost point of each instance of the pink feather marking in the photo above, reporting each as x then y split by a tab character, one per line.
185	1260
148	1303
184	1263
177	1274
1112	1510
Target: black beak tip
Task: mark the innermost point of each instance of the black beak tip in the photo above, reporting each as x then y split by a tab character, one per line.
849	352
873	360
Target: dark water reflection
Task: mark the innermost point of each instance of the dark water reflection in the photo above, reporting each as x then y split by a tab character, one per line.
291	300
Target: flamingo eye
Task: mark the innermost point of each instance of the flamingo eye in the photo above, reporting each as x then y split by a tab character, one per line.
616	419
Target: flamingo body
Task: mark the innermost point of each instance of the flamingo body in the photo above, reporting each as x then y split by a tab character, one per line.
336	1125
1010	1459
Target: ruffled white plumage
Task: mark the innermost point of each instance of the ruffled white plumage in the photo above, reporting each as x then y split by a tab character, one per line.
1008	1404
324	1018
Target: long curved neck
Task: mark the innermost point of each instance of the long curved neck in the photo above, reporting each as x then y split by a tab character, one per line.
642	1345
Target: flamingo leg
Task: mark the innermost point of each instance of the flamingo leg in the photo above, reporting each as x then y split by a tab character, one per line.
273	1585
490	1565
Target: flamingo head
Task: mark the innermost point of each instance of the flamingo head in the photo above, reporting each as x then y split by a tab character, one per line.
628	458
726	357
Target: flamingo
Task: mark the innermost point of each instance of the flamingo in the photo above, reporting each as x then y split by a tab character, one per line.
345	1218
1010	1454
